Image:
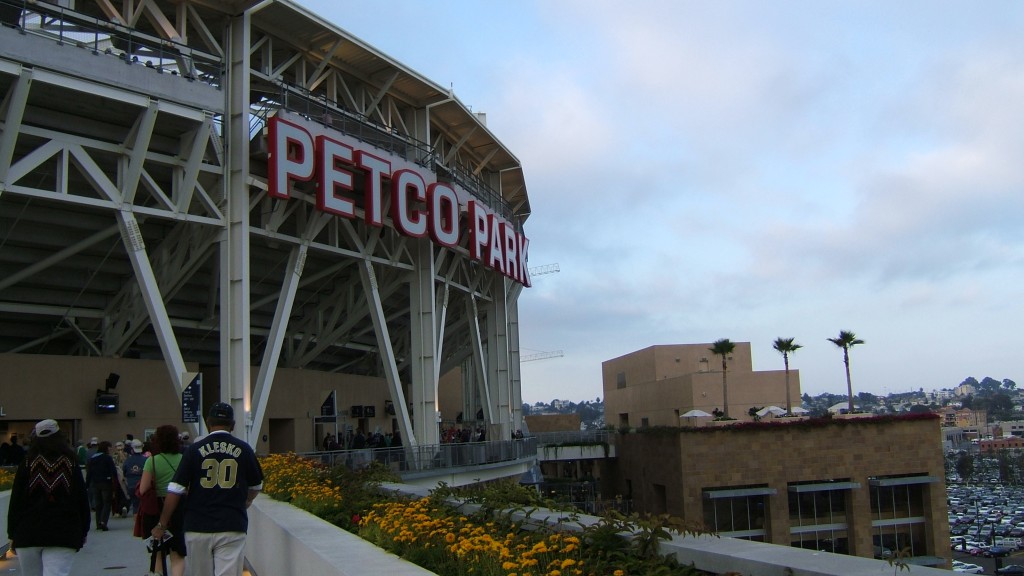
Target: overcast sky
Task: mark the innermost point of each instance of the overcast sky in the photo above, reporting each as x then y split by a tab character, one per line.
750	170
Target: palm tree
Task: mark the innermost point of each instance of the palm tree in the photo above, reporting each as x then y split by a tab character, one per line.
847	340
787	346
724	348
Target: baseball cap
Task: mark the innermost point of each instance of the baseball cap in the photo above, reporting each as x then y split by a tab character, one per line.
222	411
46	428
185	436
94	441
137	445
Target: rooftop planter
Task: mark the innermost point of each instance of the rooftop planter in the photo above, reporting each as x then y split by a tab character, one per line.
788	424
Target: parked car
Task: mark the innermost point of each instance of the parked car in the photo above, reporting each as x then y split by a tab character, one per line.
969	569
998	551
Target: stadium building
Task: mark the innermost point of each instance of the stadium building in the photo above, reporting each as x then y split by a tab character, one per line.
240	201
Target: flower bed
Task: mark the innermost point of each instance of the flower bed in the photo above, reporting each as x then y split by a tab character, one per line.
439	540
302	482
434	535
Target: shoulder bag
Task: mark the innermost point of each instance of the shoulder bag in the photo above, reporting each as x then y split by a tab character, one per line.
149	504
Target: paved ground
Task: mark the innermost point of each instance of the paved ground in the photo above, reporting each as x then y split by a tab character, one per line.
115	552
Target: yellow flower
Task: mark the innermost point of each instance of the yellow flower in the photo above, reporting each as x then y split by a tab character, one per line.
618	573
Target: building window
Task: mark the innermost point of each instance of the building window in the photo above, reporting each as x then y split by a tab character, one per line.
624	420
645	422
660	504
817	515
620	380
738	512
898	521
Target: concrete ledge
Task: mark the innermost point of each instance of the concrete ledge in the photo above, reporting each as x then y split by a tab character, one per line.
713	554
285	540
575	452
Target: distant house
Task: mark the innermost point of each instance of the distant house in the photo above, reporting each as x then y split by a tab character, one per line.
965	390
841	408
1001	444
963	417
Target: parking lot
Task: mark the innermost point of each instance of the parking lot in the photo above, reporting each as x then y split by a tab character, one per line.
986	514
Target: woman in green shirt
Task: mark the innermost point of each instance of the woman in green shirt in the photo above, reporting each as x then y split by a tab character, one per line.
160	467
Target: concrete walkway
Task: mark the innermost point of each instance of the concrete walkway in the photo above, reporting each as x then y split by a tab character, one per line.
115	552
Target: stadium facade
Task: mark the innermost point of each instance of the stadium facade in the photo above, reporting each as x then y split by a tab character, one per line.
246	195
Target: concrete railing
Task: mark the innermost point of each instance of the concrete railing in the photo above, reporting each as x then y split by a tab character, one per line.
718	555
285	540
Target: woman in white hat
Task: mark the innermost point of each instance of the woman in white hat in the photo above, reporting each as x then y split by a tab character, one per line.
48	517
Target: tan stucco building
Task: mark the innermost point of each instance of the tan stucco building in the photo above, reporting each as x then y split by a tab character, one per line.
859	485
656	385
865	486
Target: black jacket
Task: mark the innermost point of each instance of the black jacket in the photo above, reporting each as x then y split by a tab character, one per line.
101	470
49	505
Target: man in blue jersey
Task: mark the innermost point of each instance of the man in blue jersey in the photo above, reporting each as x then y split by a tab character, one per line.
218	478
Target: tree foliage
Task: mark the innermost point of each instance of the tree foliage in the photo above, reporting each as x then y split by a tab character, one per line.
965	466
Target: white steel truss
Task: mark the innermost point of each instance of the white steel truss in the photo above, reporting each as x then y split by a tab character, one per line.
137	218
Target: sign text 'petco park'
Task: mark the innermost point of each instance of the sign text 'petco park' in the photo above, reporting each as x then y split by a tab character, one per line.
419	204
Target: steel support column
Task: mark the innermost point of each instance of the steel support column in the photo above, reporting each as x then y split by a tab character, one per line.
514	368
272	351
234	252
13	110
480	373
136	249
498	378
387	353
424	361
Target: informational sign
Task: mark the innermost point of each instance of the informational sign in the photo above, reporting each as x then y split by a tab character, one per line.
328	407
192	399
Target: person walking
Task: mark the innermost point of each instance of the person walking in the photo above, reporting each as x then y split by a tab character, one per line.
48	515
100	476
218	479
132	469
160	468
120	500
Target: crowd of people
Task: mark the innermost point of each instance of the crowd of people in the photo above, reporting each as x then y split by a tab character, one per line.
452	435
357	440
203	490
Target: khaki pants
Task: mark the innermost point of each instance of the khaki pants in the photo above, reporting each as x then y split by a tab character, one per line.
215	553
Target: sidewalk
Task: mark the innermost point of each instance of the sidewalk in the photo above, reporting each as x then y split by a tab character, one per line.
115	552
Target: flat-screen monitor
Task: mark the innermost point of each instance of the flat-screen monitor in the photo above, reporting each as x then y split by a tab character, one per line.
107	403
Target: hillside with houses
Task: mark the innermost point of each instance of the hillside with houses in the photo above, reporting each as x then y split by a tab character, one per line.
973	402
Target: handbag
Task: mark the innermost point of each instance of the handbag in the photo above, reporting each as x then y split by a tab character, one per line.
139	530
149	504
